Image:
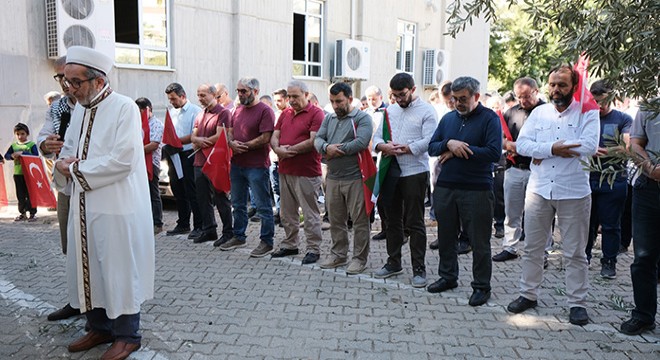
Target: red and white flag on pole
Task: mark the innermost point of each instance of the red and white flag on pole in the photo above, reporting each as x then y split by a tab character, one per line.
3	188
172	139
217	164
37	182
583	95
146	138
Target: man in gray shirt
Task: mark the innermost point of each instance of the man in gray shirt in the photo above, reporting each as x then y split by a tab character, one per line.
341	137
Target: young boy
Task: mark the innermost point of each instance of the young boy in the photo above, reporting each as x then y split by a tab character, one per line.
16	150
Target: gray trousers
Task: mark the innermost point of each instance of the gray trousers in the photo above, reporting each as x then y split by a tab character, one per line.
300	192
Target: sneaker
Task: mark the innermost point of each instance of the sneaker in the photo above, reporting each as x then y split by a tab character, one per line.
233	243
464	247
223	239
20	217
356	267
419	279
333	263
262	250
310	258
255	218
32	218
387	271
636	327
504	256
608	269
178	230
195	234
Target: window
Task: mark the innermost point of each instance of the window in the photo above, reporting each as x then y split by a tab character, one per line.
307	38
141	32
405	46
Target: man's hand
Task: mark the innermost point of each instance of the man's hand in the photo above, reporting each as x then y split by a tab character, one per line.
62	166
284	152
510	147
393	149
537	161
560	149
601	152
445	156
52	144
333	151
459	149
239	147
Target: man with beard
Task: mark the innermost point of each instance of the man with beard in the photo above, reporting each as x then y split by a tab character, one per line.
50	141
468	141
557	137
340	138
110	257
250	129
206	132
412	122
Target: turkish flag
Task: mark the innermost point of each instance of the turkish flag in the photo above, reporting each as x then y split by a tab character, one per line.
37	183
217	164
145	140
169	134
583	95
3	188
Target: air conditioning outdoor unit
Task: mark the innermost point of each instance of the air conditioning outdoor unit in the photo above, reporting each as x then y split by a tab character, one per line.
436	67
89	23
352	60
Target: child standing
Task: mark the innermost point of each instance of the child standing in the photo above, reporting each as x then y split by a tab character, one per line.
16	150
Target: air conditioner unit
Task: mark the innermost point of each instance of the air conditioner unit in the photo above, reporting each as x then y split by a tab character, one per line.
352	60
89	23
436	67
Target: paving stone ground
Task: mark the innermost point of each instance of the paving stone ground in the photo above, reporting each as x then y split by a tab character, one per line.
211	304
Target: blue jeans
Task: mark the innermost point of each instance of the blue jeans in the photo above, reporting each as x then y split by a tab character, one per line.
258	180
646	242
607	205
124	328
275	183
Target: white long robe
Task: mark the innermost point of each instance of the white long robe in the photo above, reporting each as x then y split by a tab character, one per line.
110	224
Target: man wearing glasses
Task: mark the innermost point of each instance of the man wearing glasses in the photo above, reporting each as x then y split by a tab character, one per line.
50	141
250	129
468	142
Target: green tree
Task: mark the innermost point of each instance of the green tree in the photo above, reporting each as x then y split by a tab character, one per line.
622	37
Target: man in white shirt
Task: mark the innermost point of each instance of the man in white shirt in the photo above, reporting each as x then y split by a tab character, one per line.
557	136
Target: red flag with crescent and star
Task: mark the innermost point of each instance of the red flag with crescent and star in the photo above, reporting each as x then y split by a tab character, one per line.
146	139
37	182
583	95
169	134
217	164
3	188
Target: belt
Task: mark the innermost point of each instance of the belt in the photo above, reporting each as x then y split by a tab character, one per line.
521	166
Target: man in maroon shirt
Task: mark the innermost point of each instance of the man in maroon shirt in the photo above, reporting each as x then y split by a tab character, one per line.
206	131
300	172
249	137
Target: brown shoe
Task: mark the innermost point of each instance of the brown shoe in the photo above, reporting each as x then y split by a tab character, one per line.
64	313
120	350
90	340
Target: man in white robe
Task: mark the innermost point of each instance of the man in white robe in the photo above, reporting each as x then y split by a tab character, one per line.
110	262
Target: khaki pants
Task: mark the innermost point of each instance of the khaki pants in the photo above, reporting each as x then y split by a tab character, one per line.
300	192
345	197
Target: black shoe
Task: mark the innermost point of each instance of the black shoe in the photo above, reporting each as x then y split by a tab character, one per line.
251	212
636	327
545	262
521	304
206	236
310	258
64	313
441	285
282	252
608	269
434	245
578	316
380	236
479	297
255	218
463	248
195	233
178	231
277	219
504	256
223	239
499	233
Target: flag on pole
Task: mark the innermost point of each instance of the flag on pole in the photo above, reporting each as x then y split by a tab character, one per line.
170	138
368	171
384	163
583	95
37	182
217	164
146	138
3	188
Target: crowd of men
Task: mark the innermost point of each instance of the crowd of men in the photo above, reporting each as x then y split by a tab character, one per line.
302	153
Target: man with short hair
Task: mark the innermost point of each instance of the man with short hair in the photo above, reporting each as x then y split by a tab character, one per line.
558	136
300	172
281	99
343	135
50	141
412	122
250	131
468	141
153	147
223	97
183	189
111	262
206	131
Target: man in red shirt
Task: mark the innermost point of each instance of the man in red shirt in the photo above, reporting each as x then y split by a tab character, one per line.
249	137
300	171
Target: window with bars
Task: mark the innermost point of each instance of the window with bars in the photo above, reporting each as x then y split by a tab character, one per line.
142	33
307	38
405	46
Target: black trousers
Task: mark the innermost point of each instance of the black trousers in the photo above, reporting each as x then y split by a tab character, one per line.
206	198
22	196
184	191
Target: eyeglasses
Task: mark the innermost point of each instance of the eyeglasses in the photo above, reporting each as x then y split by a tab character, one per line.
58	77
462	99
243	91
401	96
75	83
